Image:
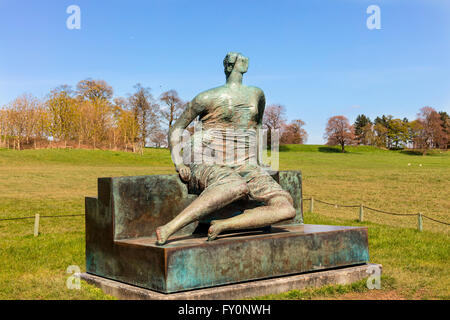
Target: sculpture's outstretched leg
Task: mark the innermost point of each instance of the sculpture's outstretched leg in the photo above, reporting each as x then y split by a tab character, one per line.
211	199
277	209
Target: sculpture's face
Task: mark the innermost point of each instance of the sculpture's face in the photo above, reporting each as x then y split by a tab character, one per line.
241	64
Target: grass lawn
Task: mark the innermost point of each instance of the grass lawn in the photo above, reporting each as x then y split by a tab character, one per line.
54	182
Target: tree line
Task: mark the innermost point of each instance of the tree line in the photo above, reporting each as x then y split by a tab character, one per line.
89	116
430	130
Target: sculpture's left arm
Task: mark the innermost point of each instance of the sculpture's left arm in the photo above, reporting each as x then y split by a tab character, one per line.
259	125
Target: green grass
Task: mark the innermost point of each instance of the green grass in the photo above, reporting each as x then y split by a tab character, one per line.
53	182
417	262
376	178
329	291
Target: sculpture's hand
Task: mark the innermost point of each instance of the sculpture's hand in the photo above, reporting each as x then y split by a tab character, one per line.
185	172
264	166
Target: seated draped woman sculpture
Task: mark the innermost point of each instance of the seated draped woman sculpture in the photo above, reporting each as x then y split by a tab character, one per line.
230	113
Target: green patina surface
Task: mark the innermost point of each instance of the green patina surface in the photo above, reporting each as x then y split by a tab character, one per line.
223	158
121	243
288	250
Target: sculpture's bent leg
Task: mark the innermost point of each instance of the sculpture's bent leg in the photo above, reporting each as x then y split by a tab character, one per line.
278	208
212	198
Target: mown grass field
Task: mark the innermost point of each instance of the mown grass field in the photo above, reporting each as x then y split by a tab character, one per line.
55	182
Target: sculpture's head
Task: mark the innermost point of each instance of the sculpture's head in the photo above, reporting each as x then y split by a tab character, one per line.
235	61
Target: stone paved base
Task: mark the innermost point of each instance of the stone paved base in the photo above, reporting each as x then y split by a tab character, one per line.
249	289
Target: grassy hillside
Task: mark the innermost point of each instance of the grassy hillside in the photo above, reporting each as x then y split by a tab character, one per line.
52	182
393	181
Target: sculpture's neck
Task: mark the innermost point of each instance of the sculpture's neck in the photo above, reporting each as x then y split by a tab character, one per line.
235	78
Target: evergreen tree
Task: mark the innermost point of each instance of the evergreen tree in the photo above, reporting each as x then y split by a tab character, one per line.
361	122
446	129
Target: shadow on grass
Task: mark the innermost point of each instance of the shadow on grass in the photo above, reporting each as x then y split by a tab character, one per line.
412	152
331	150
416	152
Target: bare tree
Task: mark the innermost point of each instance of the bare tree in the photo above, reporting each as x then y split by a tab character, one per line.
432	134
339	132
146	112
159	138
94	110
23	118
126	131
273	119
94	89
3	127
172	106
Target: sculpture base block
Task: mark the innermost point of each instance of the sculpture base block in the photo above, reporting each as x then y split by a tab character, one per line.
191	262
345	275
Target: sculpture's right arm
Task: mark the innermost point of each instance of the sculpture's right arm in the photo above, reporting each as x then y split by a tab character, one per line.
193	109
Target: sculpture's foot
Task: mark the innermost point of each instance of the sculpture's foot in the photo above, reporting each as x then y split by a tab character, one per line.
215	229
161	235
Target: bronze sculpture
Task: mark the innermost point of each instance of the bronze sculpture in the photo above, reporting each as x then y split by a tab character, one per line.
233	192
232	112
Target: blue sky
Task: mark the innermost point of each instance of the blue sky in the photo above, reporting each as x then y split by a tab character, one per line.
318	58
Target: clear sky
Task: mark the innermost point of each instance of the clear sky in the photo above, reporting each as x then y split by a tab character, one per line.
318	58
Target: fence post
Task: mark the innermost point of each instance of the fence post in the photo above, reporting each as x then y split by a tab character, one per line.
361	213
420	221
311	205
36	225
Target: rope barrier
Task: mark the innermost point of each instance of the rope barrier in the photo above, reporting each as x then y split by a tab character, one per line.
59	216
391	213
448	224
376	210
16	218
66	215
338	205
